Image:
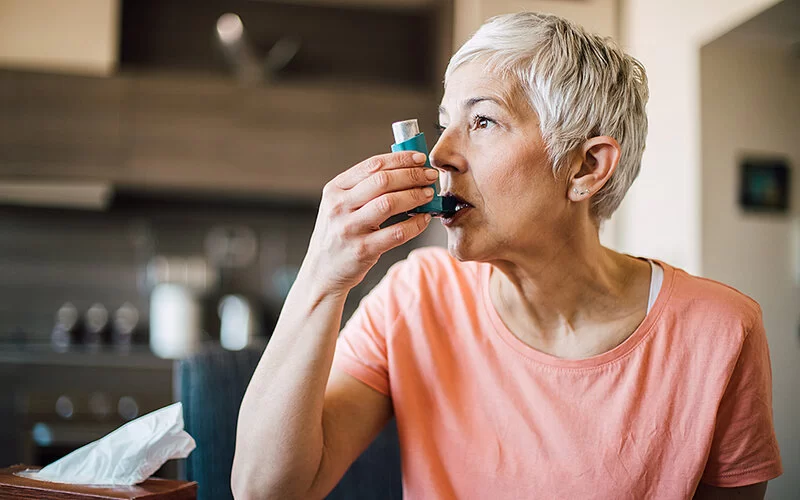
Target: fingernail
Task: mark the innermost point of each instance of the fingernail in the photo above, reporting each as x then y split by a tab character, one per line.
427	218
431	174
419	157
428	192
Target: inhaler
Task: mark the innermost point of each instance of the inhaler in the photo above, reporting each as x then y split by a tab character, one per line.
407	137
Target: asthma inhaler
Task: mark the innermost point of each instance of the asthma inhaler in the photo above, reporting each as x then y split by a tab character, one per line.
407	137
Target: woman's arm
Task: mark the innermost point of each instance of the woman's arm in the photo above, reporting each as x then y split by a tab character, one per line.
294	438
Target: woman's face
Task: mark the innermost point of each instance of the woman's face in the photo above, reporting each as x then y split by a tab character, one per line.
492	156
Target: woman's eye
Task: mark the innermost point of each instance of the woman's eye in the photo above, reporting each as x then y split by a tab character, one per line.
439	129
482	122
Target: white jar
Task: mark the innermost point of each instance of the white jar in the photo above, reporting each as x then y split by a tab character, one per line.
238	324
174	321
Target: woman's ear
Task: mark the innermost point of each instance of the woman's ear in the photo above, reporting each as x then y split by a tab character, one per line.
595	162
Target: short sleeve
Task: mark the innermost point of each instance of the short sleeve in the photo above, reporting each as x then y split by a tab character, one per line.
361	347
744	449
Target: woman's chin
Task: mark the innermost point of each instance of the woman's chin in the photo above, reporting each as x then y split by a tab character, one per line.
460	249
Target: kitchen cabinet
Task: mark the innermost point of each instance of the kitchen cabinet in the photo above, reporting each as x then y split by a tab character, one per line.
61	127
279	139
197	134
178	131
303	136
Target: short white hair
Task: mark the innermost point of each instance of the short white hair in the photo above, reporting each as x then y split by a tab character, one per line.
579	84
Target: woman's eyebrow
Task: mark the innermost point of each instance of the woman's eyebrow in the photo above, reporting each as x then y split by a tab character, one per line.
471	102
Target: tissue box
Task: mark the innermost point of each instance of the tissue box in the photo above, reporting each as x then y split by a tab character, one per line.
16	487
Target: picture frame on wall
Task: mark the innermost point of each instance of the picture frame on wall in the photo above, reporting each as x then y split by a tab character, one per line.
764	184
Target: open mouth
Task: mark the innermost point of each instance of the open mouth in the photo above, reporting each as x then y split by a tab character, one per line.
454	206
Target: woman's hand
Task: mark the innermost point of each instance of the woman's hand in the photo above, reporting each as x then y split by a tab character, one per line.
347	239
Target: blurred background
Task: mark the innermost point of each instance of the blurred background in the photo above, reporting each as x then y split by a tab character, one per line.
161	163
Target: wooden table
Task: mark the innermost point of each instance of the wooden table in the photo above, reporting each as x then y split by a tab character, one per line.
17	487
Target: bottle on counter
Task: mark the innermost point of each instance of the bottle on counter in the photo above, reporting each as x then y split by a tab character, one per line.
178	285
175	321
96	326
124	326
65	328
238	323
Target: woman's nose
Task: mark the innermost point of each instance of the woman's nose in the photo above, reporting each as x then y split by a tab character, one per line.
444	156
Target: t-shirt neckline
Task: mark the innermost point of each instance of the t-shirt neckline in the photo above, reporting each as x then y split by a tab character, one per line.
618	352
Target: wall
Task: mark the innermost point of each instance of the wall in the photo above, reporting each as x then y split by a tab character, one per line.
661	216
79	36
750	104
598	16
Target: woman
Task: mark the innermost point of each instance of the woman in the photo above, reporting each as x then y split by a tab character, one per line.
527	360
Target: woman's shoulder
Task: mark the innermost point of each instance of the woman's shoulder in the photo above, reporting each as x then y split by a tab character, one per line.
692	295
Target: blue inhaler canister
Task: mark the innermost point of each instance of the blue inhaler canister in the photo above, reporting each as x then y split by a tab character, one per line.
407	137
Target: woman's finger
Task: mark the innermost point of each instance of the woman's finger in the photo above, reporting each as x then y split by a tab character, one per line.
388	181
389	161
375	212
385	239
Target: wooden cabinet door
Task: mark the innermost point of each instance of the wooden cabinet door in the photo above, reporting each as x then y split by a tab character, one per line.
293	139
61	127
178	132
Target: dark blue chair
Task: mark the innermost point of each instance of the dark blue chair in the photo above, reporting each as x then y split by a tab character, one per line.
211	386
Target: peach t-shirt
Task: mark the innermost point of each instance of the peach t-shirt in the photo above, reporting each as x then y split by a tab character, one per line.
687	397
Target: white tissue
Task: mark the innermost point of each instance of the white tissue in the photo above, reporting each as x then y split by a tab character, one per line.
128	455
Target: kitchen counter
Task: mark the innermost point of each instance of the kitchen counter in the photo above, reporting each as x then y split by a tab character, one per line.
137	356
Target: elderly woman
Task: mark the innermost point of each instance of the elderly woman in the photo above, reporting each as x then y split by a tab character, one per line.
526	360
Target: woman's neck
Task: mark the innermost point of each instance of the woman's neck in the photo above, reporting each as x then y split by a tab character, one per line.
572	299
